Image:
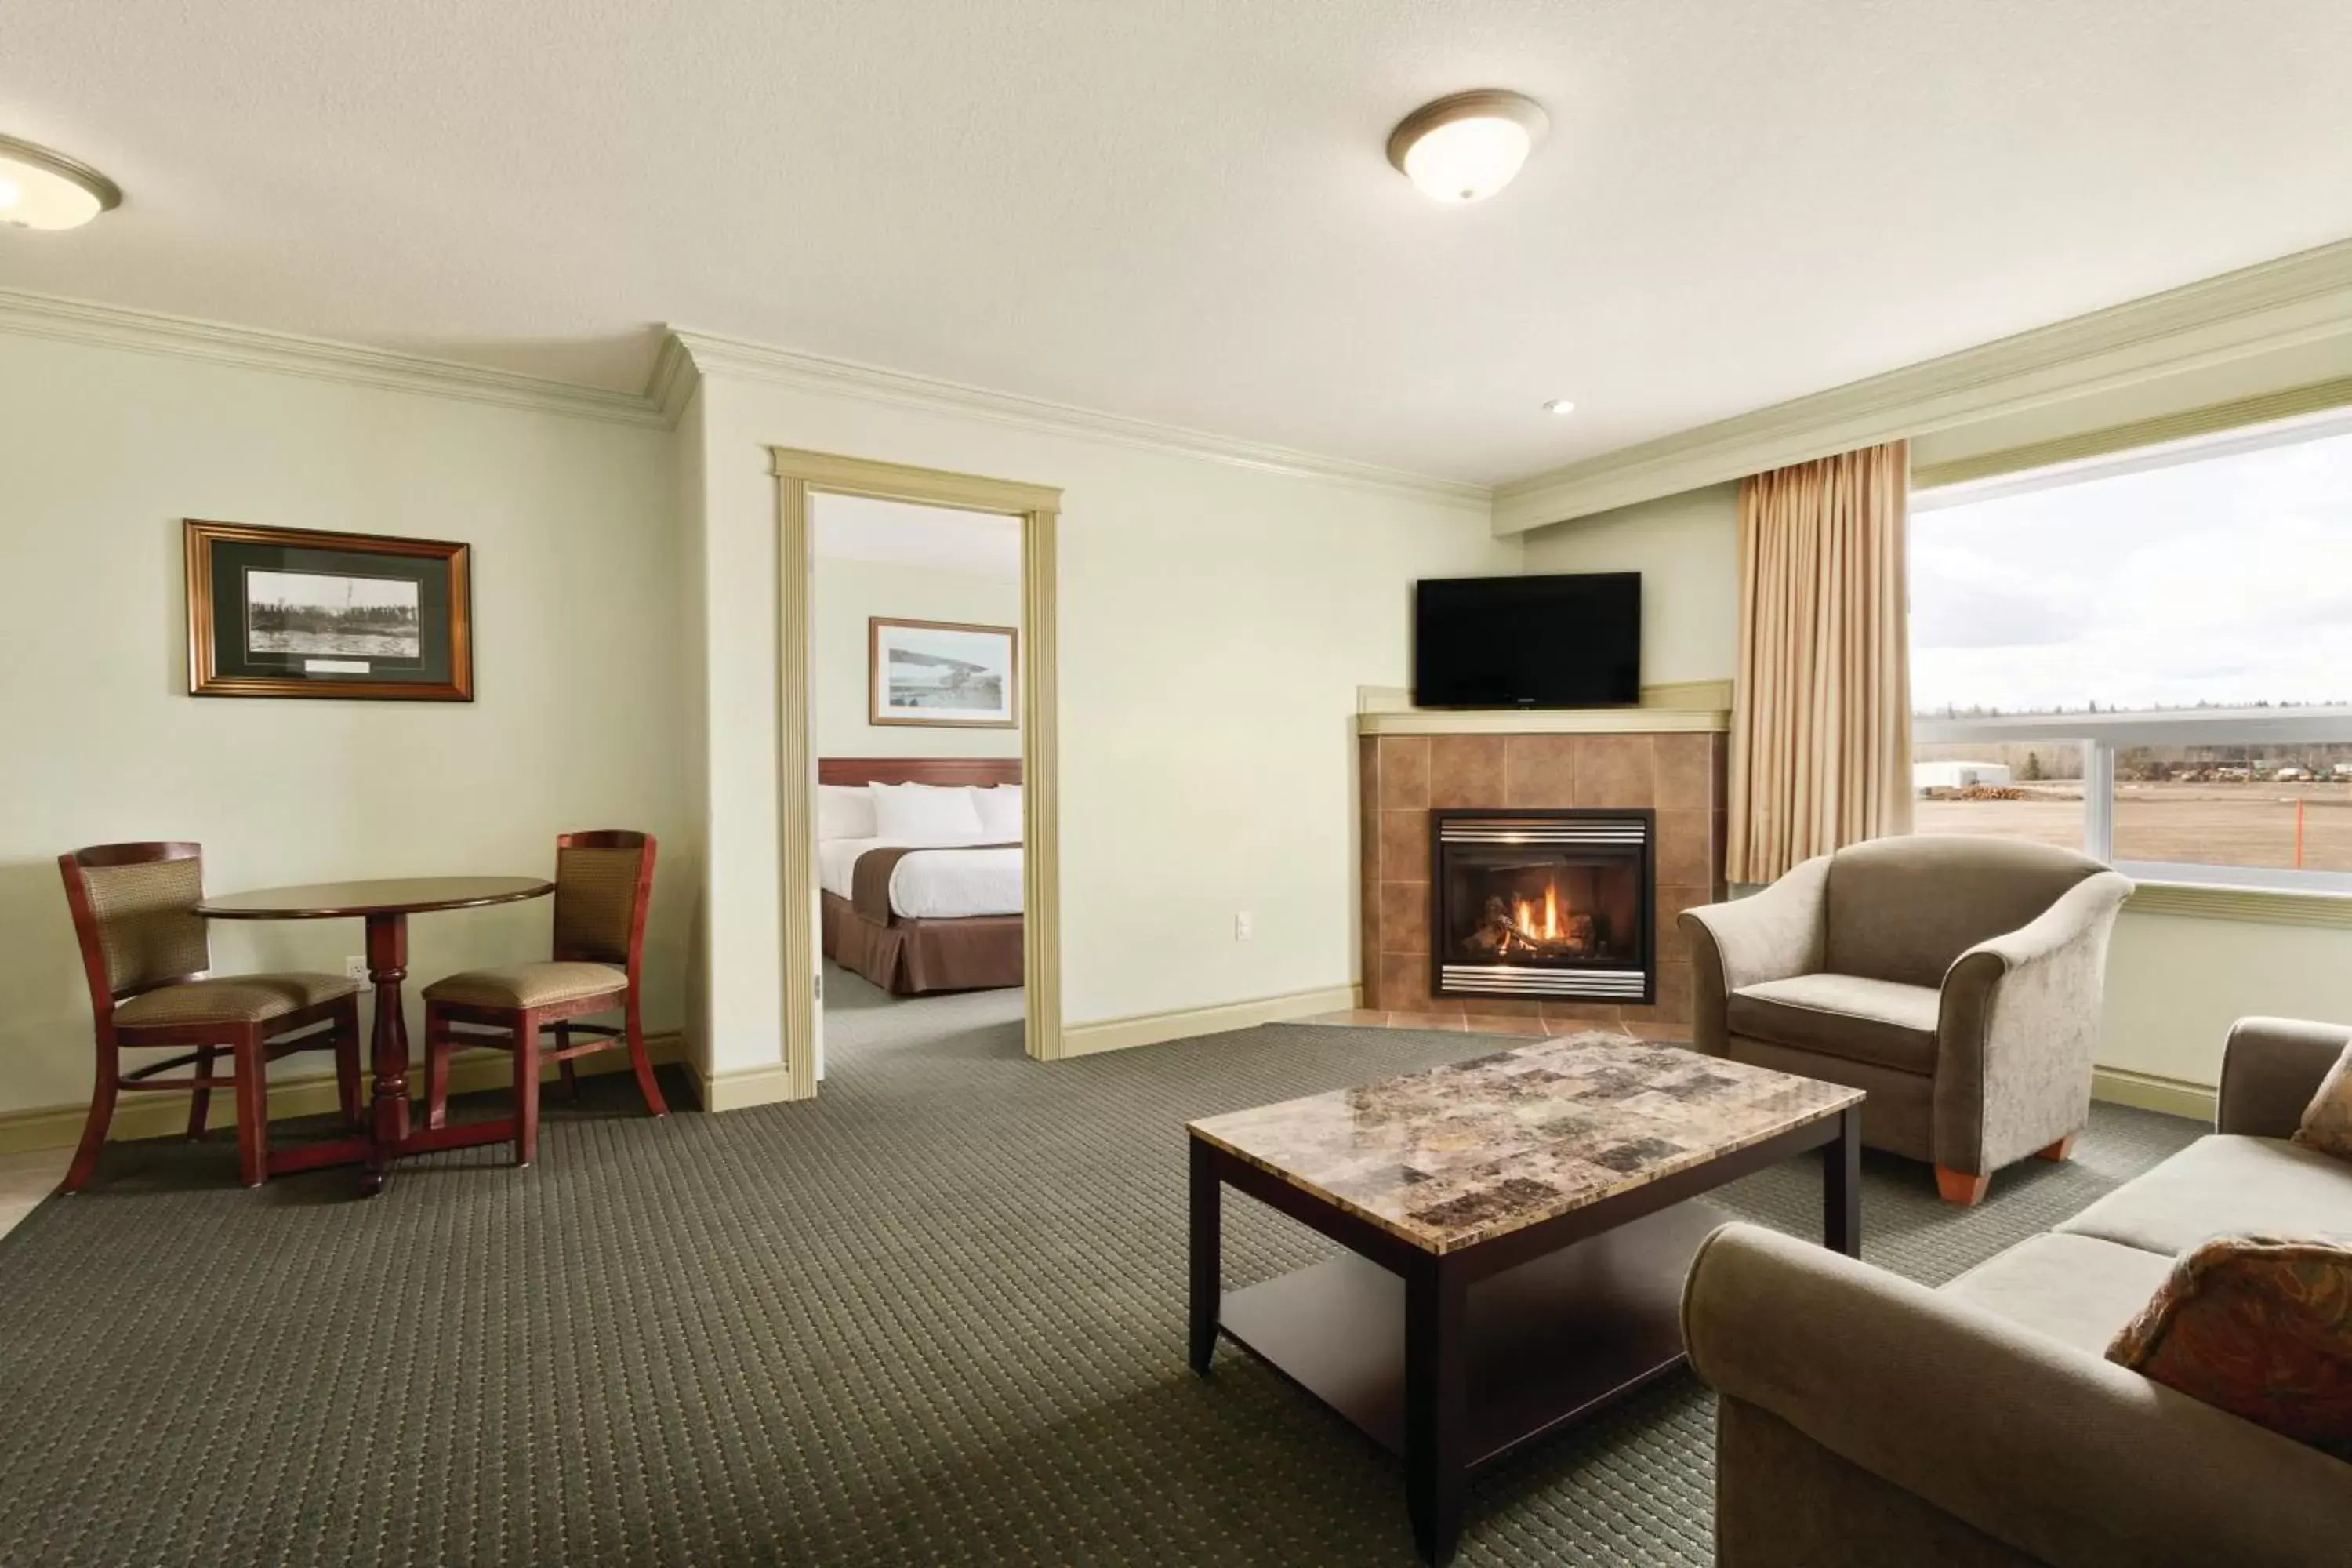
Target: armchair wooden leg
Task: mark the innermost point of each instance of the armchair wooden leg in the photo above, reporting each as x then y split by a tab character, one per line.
526	1089
638	1062
1961	1187
437	1067
252	1110
2061	1150
93	1132
200	1099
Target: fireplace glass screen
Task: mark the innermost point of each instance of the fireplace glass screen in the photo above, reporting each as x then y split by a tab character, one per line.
1541	904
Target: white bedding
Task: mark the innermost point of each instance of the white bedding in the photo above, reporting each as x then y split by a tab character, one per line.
947	886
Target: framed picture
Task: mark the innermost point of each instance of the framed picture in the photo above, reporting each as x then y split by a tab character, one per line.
284	612
942	673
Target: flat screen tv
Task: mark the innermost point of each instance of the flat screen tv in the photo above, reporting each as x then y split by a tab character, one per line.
1527	642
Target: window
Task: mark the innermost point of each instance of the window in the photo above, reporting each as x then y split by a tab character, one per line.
2149	656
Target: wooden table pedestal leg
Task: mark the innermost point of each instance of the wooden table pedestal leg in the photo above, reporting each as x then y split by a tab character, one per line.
387	959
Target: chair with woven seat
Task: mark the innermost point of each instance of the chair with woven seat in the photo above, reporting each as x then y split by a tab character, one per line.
147	956
603	881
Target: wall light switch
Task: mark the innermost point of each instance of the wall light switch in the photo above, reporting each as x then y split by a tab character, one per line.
1243	928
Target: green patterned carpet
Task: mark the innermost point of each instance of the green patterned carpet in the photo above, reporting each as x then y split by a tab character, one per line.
935	1317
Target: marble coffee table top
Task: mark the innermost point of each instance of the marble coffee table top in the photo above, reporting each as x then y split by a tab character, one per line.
1464	1153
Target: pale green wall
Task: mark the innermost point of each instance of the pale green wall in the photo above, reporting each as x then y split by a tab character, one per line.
577	661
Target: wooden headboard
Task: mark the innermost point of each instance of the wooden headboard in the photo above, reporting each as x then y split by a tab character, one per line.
941	771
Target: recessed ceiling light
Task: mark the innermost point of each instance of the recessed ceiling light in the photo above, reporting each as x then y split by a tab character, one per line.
1560	406
1466	147
41	189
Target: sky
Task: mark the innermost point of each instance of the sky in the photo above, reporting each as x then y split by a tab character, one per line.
335	590
2226	580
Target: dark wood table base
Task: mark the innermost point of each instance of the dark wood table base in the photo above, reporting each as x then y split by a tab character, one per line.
1452	1361
386	906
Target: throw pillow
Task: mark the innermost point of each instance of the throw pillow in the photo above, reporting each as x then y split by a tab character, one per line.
2328	1120
2259	1326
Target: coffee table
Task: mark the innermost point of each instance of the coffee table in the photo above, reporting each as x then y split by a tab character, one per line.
1518	1227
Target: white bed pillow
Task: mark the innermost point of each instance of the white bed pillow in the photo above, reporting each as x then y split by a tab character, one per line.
1000	812
924	814
845	811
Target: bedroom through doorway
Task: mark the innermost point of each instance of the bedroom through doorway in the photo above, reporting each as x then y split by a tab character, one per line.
915	722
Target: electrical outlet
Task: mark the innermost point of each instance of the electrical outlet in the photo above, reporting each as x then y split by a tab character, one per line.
355	968
1244	928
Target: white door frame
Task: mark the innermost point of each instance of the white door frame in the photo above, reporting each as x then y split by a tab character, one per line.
800	477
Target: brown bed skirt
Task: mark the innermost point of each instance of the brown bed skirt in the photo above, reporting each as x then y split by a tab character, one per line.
910	957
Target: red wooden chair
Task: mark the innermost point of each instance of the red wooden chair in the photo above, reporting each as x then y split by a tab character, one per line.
603	882
147	955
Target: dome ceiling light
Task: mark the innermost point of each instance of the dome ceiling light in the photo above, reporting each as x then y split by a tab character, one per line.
1466	147
41	189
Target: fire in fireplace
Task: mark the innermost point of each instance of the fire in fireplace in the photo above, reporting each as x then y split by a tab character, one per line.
1543	904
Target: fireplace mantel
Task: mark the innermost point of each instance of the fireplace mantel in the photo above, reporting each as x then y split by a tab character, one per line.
1550	722
1690	708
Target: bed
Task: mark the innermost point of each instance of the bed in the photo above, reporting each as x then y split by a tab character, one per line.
935	906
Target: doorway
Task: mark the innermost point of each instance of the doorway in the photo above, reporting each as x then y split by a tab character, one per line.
954	679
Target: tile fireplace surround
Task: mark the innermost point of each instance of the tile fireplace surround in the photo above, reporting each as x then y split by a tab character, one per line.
1678	772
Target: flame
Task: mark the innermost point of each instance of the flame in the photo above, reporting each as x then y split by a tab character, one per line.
1551	913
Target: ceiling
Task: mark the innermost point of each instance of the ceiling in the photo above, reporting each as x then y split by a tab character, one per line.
935	538
1181	213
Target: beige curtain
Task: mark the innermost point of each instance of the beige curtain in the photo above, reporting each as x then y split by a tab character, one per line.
1820	724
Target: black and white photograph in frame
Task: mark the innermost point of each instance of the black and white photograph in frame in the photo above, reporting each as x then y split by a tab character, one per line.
284	612
943	673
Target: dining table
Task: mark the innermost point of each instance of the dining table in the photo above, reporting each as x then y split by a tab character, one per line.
386	904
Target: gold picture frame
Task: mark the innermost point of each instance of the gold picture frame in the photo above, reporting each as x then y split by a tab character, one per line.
290	612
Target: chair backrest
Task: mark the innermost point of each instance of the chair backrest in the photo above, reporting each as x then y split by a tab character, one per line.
1903	909
603	881
134	914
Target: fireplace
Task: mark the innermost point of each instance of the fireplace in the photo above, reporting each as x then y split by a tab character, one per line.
1547	904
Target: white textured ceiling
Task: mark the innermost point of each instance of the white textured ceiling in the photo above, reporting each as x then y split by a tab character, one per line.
937	539
1181	212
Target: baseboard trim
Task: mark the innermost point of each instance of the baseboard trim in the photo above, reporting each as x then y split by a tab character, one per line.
740	1088
1151	1028
312	1094
2153	1091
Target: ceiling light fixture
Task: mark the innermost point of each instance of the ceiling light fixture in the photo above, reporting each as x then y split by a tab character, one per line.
1466	147
41	189
1560	406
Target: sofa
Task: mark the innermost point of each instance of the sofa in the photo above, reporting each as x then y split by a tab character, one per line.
1861	1418
1957	980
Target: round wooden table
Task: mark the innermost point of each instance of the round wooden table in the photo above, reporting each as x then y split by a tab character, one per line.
385	905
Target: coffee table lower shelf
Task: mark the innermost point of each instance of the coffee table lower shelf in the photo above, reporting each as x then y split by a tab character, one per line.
1548	1341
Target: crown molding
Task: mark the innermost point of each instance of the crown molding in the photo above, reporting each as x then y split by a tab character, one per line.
735	358
287	353
670	384
2299	299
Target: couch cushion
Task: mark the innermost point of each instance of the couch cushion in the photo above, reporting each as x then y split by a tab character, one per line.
2076	1288
1877	1020
2258	1326
2222	1186
1903	909
2328	1120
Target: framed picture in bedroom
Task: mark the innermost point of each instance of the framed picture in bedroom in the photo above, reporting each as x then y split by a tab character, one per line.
942	673
285	612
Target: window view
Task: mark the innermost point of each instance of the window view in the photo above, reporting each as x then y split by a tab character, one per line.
2152	661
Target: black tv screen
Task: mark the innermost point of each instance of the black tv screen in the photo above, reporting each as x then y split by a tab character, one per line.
1527	642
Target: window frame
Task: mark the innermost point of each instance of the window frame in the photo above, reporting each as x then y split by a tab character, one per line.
2100	733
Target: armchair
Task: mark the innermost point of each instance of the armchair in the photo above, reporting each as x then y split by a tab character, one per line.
1957	979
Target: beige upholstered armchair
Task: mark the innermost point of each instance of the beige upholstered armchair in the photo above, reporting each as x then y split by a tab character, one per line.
1956	980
